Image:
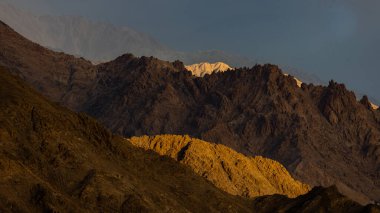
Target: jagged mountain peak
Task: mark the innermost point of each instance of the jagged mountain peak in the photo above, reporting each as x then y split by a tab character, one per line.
206	68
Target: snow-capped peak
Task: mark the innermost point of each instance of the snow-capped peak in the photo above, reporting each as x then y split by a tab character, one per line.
204	68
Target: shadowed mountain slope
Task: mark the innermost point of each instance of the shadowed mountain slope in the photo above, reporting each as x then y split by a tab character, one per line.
225	168
322	135
317	200
54	160
58	76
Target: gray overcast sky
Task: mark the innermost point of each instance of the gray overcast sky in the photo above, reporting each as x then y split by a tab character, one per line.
337	39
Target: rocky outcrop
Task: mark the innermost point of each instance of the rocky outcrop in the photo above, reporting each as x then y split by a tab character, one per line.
226	169
365	101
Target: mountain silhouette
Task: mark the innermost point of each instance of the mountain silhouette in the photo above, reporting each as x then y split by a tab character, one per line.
99	41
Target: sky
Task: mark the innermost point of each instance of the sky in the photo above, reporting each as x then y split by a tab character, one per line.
334	39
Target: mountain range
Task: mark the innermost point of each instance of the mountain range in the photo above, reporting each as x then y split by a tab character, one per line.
101	41
98	41
321	134
54	160
201	69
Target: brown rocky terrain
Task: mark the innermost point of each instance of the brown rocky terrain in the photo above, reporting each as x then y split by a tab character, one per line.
321	134
53	160
317	200
225	168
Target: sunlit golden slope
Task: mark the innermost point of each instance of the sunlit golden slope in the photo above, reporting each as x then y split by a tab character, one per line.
227	169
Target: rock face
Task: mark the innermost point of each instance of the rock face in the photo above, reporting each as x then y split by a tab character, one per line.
226	169
322	135
206	68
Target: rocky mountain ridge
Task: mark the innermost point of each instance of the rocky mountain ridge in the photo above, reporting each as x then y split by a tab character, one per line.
206	68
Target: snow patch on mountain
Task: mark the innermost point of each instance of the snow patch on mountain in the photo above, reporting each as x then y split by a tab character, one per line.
206	68
374	106
299	83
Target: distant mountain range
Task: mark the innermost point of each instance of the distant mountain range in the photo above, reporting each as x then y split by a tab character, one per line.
321	134
101	42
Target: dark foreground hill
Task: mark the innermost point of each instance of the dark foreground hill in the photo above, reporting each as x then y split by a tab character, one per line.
53	160
323	135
